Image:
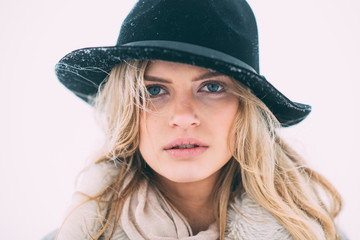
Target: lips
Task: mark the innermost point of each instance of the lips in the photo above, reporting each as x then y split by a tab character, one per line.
185	148
185	143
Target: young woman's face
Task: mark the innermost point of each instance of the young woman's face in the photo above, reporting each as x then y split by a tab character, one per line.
184	137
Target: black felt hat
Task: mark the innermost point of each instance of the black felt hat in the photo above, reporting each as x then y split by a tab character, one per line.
215	34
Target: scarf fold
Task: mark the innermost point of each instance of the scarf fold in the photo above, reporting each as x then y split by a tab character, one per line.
146	215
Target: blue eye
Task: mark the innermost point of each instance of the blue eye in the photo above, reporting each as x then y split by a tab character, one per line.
154	90
212	87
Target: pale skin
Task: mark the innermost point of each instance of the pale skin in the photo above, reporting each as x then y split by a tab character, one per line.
185	137
192	200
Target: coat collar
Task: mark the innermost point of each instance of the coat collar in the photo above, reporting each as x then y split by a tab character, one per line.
245	218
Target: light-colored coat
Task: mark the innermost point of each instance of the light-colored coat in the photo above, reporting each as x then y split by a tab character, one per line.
253	222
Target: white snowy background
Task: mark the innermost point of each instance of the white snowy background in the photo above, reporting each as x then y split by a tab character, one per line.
308	49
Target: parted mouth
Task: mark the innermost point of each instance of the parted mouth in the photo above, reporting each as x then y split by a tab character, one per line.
185	146
185	143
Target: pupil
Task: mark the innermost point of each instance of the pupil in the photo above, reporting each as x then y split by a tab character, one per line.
212	87
154	90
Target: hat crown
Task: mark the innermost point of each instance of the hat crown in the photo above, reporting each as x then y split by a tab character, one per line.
228	26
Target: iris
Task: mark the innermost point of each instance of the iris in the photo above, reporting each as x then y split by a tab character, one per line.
154	90
212	87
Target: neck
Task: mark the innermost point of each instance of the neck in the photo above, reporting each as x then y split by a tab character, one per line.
193	200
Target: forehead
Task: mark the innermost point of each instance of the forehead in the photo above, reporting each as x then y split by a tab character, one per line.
173	70
159	67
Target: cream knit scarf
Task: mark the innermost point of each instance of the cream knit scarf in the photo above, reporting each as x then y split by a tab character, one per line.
146	215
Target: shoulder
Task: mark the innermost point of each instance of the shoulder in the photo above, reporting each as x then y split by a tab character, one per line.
82	219
96	177
248	220
119	235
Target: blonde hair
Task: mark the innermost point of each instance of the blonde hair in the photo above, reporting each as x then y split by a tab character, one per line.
263	165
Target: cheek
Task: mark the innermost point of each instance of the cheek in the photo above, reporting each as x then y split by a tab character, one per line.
222	120
145	127
144	137
221	113
149	128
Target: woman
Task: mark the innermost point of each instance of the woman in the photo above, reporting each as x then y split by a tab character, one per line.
192	150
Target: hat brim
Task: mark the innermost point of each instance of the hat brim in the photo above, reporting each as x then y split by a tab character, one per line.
82	71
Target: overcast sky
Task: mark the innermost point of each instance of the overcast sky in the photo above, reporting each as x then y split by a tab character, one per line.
308	49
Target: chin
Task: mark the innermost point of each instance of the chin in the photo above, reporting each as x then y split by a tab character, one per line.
184	179
186	175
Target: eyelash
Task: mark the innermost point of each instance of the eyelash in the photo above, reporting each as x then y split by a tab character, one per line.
220	84
162	88
204	84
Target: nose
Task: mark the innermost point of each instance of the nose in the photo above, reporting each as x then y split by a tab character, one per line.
183	114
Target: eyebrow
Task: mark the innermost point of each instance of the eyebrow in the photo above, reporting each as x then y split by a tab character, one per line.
201	77
155	79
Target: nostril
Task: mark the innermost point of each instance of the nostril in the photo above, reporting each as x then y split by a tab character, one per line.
184	121
184	113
